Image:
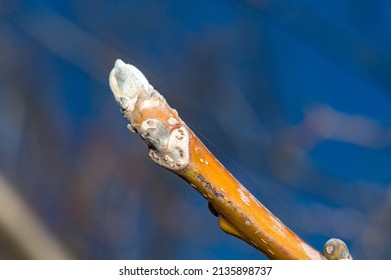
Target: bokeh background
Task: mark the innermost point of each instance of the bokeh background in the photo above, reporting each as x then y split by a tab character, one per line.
293	97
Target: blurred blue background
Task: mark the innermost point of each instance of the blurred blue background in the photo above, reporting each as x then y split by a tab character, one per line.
293	97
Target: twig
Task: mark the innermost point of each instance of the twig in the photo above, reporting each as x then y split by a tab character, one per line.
174	146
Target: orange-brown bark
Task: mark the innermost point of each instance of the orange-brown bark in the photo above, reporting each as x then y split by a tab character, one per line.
239	212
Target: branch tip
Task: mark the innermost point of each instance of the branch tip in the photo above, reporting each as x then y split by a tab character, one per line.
174	146
127	83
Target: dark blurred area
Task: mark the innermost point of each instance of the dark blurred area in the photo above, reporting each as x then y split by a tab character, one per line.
293	97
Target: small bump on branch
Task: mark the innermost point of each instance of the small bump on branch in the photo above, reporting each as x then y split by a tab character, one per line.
336	249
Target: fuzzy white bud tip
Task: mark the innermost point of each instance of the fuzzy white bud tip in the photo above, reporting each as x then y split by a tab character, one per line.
127	81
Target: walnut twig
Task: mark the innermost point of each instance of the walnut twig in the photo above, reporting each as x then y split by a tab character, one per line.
174	146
